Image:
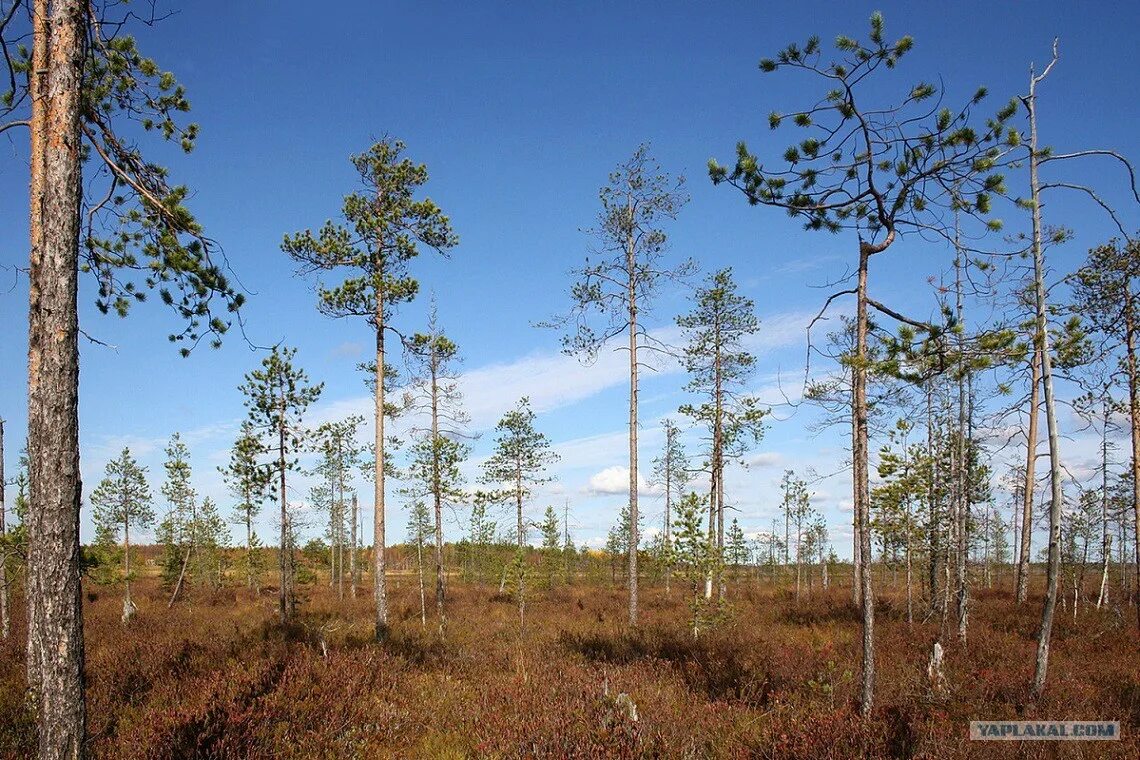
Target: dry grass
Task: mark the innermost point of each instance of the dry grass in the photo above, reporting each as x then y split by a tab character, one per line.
216	677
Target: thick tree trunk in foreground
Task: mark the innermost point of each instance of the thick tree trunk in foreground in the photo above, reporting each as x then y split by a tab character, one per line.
1030	485
55	613
859	459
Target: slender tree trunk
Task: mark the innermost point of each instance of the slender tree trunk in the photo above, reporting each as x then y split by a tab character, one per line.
436	492
857	526
379	584
963	487
181	576
799	548
55	659
670	435
420	572
352	566
285	593
935	530
1030	483
249	542
522	544
128	604
859	460
1134	420
634	539
711	538
1105	537
1045	633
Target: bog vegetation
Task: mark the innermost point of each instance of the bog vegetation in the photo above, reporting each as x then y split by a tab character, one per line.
978	587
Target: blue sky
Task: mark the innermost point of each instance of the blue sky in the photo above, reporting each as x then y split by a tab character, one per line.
520	111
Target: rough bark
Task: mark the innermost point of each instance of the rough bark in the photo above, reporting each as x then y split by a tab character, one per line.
859	458
55	615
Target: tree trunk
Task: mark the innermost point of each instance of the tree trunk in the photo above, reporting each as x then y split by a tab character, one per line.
436	492
379	585
128	604
522	544
55	615
352	568
285	593
1030	485
1045	632
1134	419
935	532
963	481
1105	536
633	537
859	461
857	527
670	435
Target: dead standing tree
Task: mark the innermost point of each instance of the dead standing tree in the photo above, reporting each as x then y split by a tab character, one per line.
880	170
1037	158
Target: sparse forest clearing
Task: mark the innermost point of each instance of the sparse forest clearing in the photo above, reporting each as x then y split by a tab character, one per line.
216	677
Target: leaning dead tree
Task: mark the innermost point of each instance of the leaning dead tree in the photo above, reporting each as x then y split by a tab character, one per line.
879	170
1039	157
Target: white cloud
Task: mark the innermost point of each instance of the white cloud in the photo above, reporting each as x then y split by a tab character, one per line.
766	459
614	481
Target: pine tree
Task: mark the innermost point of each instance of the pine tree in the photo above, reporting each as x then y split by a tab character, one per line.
694	555
671	473
248	481
210	539
385	226
439	449
719	368
736	545
276	397
518	462
121	500
551	541
176	529
420	530
619	283
85	91
1107	295
340	454
877	175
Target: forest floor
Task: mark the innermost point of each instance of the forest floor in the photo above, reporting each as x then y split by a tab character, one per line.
216	676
